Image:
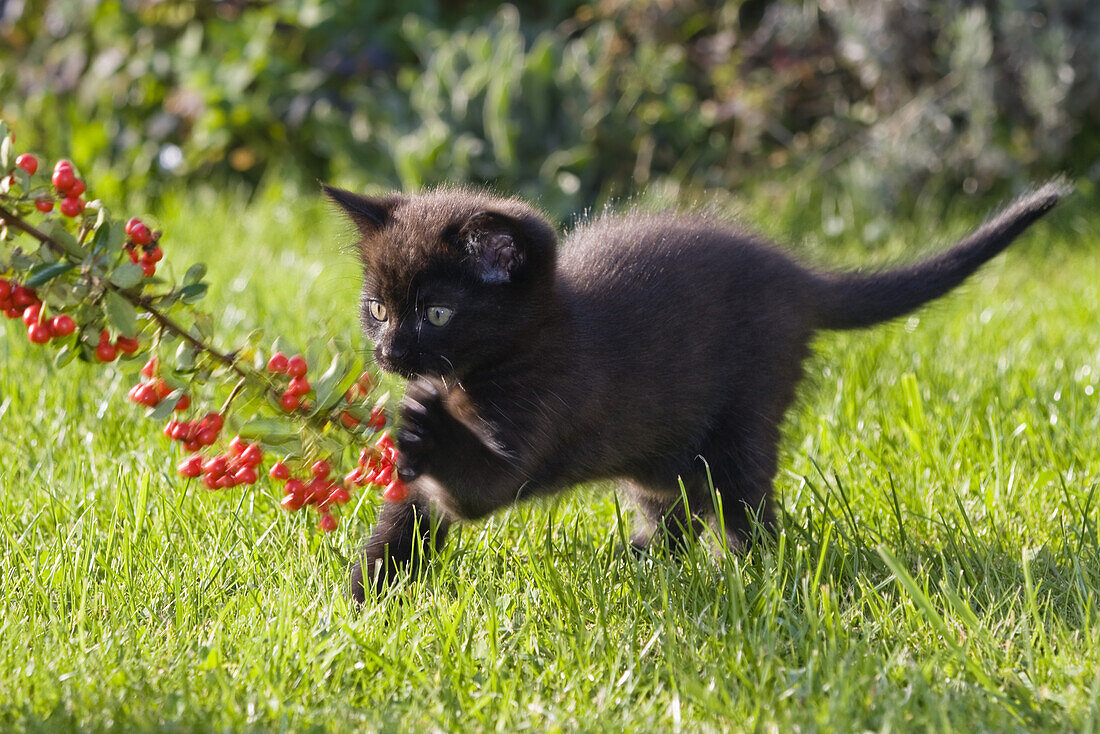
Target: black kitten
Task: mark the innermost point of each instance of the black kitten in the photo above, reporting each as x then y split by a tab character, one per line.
648	348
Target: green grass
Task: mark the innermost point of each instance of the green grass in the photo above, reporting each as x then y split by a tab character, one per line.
938	567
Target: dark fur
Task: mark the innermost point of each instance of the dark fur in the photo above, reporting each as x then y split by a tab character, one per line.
647	348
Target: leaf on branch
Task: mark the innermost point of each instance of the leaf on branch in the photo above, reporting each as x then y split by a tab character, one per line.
194	274
57	232
267	429
43	274
126	275
327	384
64	355
120	314
6	160
165	407
192	293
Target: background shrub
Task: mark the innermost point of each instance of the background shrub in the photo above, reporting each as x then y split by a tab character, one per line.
566	102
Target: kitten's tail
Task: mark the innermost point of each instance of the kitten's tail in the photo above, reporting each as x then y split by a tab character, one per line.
854	300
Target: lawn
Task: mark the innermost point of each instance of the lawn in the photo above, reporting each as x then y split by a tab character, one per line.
937	569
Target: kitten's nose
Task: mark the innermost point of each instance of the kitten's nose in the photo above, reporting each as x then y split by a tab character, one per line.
395	352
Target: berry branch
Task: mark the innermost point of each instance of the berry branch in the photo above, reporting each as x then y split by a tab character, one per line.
99	279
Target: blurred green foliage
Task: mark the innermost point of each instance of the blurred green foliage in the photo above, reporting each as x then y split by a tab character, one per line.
566	102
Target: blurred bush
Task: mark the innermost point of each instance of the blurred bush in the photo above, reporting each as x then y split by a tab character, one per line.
569	103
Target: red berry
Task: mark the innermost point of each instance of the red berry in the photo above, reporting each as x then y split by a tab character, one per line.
246	475
62	164
62	325
253	455
354	477
328	523
365	382
396	491
299	386
383	476
192	446
133	254
134	221
349	420
63	178
161	388
191	466
5	290
21	297
289	401
183	403
32	314
211	481
215	465
237	445
28	163
321	469
292	502
340	496
13	312
295	486
43	204
207	436
279	472
377	420
296	366
157	254
38	333
106	351
127	345
150	368
71	206
148	268
277	363
213	420
140	234
77	188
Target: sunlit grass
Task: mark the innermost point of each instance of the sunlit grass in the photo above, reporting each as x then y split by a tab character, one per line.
938	566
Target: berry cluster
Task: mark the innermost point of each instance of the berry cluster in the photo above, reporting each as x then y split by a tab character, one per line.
221	471
69	188
196	434
17	301
295	368
143	247
108	351
320	492
378	466
356	393
84	265
152	390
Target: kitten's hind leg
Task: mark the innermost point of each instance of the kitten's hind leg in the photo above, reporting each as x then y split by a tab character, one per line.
741	465
670	517
404	538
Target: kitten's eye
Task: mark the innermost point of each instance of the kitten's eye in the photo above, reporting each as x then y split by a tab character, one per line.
439	315
377	310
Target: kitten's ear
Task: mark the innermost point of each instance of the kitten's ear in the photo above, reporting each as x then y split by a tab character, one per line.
492	241
369	214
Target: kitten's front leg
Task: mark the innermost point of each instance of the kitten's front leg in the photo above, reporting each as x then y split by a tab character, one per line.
458	466
403	539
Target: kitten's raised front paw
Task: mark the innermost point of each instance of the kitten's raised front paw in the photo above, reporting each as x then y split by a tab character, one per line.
422	416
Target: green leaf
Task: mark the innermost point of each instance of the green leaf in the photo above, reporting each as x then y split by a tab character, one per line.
42	274
326	385
126	275
165	407
64	355
192	293
185	357
194	274
57	232
120	314
268	429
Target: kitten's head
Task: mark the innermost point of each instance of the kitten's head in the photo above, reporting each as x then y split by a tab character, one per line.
453	279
